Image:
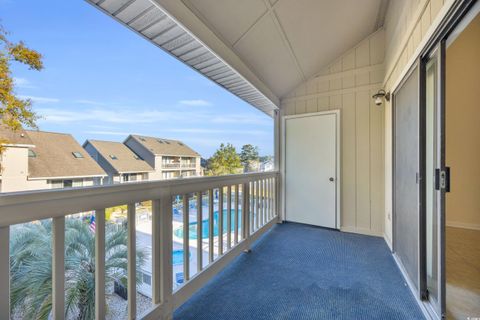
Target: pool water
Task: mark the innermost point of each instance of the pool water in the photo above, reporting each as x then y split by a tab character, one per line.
205	225
177	257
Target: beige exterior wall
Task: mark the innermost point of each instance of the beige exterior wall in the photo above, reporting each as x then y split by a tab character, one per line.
14	163
348	84
408	25
463	131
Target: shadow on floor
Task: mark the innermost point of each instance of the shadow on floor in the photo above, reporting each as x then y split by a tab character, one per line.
303	272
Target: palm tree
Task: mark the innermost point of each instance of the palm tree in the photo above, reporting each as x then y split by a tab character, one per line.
31	267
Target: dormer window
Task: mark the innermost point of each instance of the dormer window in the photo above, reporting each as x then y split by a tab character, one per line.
142	139
113	157
77	155
180	143
31	154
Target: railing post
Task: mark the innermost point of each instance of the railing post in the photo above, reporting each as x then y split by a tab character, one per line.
166	246
131	263
4	272
100	304
58	268
156	250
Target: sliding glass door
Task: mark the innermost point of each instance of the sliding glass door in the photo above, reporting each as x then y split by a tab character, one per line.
434	183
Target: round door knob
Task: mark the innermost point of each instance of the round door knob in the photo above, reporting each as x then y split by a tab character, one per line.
331	179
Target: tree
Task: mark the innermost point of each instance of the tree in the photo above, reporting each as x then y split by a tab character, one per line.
31	267
224	161
14	111
249	157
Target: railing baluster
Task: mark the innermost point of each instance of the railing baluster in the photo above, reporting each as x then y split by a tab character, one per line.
199	232
235	235
252	208
220	221
186	239
156	251
267	200
58	268
131	263
262	201
246	210
257	204
166	247
4	272
229	217
210	226
100	304
270	215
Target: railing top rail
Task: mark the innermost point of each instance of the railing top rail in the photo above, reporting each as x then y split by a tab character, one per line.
21	207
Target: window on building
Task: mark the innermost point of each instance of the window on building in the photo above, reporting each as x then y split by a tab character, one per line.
67	183
126	177
77	155
147	279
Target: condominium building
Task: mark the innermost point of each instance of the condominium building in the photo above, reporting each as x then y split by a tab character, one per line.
33	160
169	158
119	161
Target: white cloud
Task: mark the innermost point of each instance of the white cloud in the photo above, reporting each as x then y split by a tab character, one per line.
89	102
196	103
40	99
23	83
110	133
217	131
104	115
241	119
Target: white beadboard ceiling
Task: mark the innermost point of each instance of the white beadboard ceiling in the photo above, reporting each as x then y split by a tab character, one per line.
257	49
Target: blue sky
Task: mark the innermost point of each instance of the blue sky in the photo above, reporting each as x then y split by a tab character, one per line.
102	81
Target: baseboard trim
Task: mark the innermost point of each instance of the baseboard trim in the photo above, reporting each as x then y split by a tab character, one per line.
456	224
363	231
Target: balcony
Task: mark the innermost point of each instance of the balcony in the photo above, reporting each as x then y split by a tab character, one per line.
250	199
293	271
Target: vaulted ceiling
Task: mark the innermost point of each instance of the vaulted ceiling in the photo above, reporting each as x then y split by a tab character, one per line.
287	41
257	49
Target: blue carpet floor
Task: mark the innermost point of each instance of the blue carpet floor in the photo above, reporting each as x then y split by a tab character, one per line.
303	272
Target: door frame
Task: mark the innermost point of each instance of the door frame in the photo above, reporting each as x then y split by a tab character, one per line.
338	147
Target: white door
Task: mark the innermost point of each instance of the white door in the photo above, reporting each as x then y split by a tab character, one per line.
311	164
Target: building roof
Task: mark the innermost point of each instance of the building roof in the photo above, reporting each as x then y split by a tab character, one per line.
120	157
160	146
17	137
59	155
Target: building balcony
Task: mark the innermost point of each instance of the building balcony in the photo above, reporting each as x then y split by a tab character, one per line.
271	270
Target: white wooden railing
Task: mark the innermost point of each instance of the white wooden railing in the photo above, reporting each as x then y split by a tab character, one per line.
256	195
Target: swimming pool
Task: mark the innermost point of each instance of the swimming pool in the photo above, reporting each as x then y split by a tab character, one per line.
177	257
205	225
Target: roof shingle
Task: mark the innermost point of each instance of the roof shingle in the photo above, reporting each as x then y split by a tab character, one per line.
126	161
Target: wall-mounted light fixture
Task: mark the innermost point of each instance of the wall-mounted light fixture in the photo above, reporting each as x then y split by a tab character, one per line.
380	95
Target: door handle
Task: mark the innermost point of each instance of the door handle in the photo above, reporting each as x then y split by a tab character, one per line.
331	179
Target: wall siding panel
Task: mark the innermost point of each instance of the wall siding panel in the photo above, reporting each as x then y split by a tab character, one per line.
346	84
